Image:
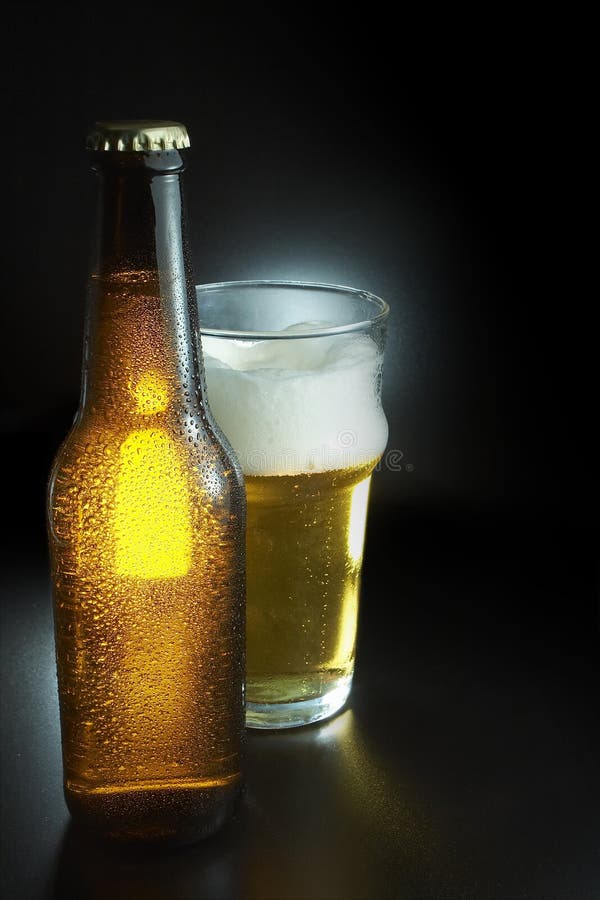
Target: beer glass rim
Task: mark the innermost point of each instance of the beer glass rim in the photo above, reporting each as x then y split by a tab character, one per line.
380	307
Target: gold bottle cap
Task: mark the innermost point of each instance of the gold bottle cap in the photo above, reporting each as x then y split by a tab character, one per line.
137	135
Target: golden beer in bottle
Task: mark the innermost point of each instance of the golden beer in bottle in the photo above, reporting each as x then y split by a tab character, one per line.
146	526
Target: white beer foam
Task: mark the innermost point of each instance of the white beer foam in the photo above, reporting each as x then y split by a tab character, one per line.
293	406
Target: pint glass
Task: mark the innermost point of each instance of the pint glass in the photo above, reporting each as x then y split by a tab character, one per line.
293	373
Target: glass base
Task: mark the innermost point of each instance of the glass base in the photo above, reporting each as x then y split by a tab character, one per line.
299	712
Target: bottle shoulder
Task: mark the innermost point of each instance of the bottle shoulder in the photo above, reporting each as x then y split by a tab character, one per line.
99	449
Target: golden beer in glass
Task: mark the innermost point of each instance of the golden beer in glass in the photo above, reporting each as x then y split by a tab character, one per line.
294	379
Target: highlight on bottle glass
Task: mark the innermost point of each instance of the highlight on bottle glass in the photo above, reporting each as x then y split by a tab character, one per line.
293	373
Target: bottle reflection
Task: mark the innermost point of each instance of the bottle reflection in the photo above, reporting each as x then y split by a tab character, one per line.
91	868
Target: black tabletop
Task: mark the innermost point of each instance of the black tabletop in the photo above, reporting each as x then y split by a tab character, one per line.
465	763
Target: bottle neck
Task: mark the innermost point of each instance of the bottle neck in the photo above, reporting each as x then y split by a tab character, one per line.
140	356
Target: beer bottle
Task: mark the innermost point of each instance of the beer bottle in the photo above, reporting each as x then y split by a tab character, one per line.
146	526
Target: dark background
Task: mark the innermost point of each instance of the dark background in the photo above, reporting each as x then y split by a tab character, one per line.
432	163
425	165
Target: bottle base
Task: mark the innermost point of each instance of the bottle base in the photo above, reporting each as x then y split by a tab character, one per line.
171	817
299	712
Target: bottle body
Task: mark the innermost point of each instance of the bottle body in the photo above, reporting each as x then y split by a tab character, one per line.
146	533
